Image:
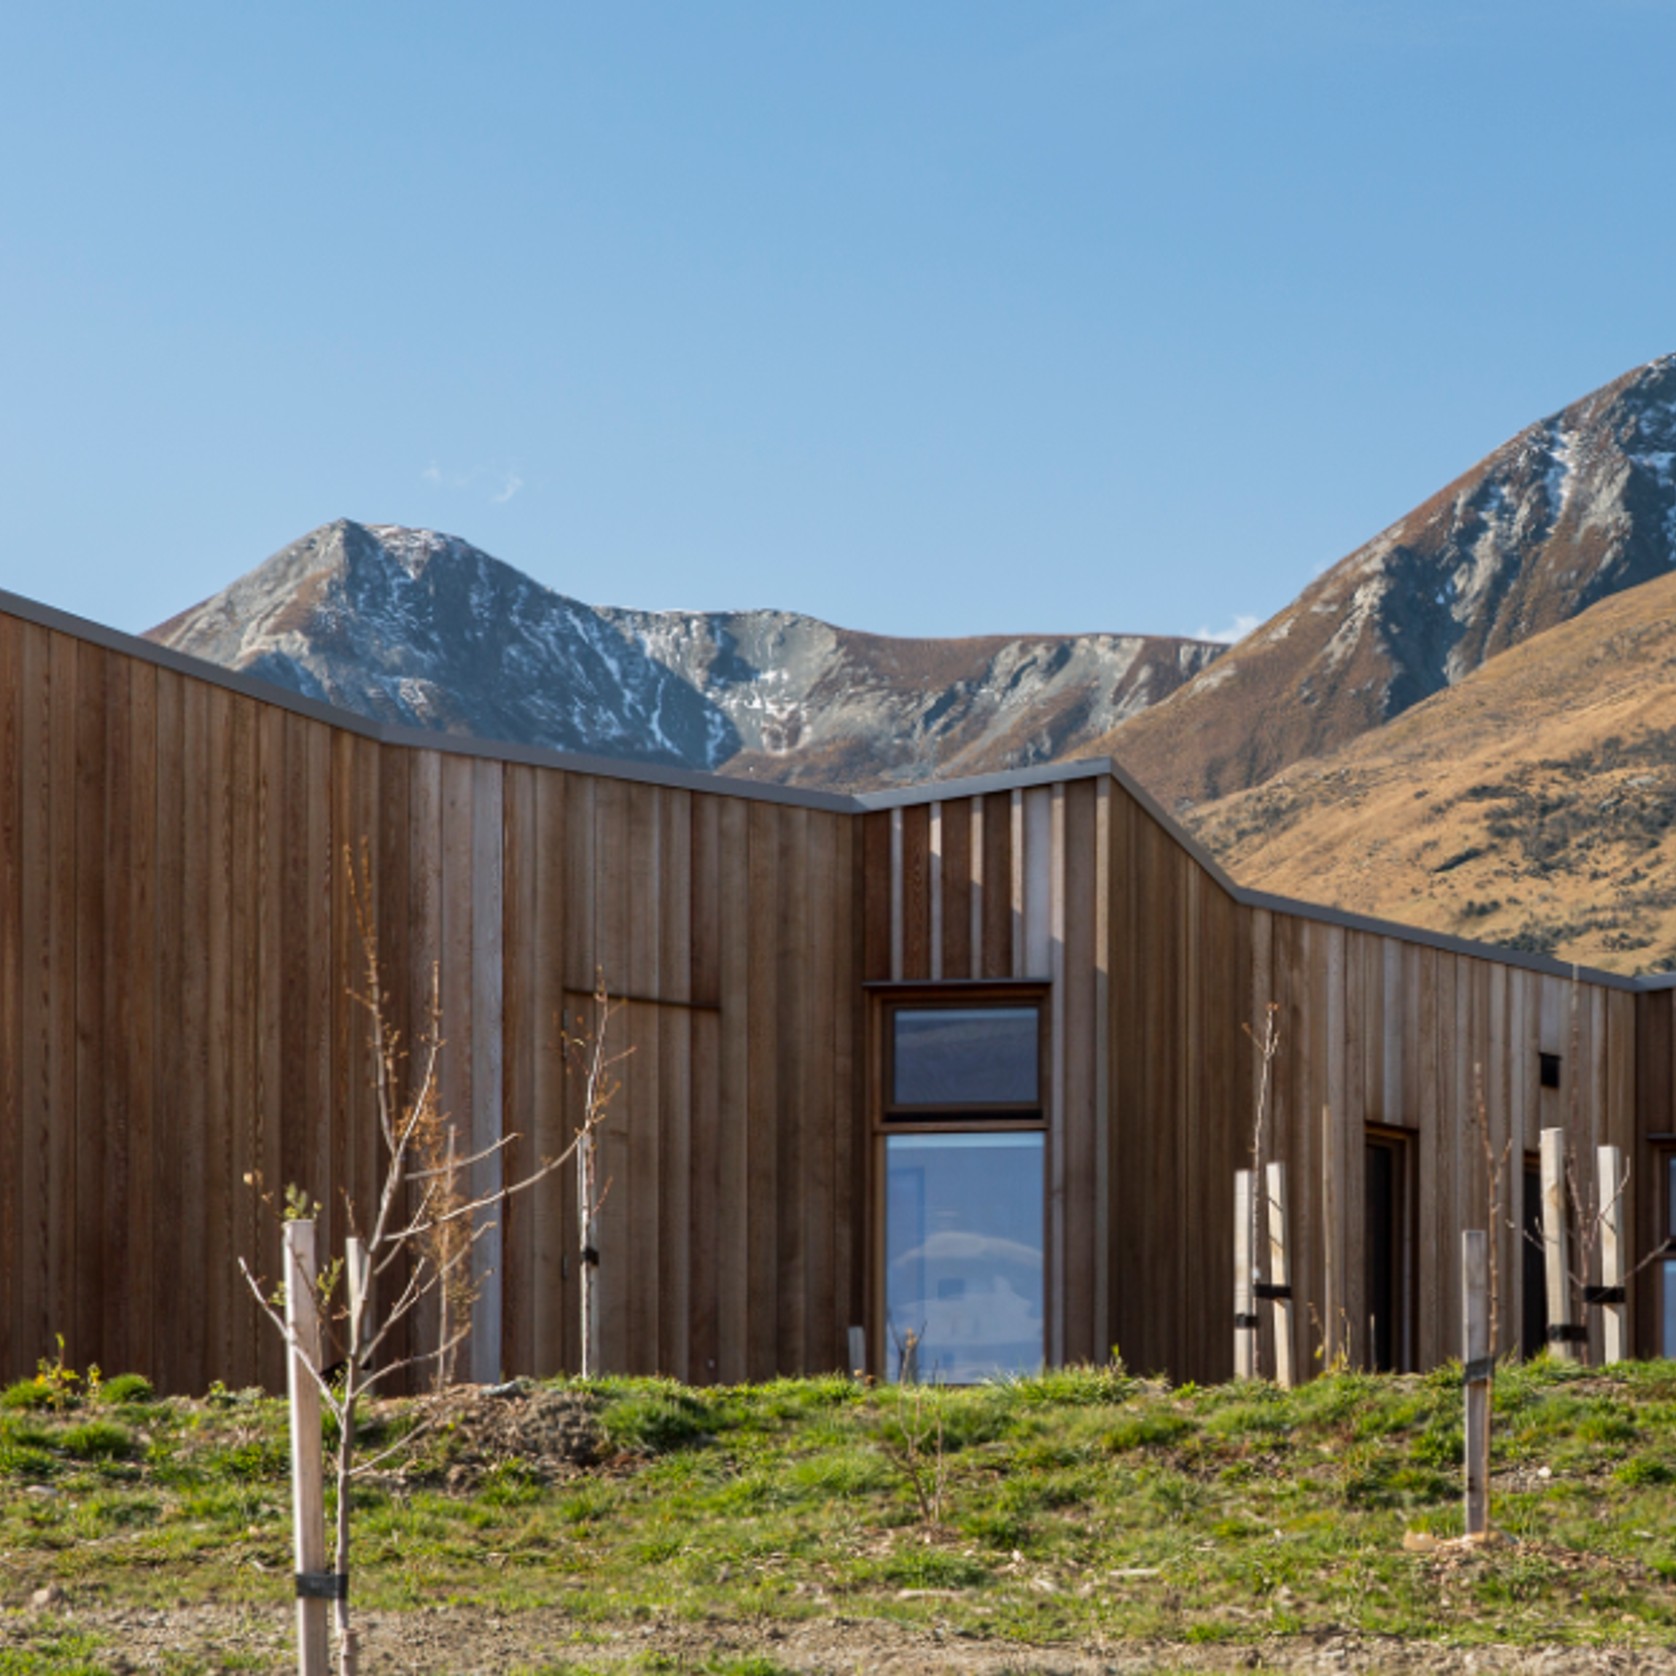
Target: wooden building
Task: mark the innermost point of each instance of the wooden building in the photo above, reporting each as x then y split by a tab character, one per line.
965	1061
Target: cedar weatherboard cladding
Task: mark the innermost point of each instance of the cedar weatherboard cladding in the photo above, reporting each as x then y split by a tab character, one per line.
178	949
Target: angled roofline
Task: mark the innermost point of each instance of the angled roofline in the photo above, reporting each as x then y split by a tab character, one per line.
416	738
720	785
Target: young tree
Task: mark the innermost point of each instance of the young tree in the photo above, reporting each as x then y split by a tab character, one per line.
419	1241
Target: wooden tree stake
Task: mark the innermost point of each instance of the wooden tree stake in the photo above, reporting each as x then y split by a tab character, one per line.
308	1491
1478	1370
1615	1309
1280	1278
1245	1299
1556	1258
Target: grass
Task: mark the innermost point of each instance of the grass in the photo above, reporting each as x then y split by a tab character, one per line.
1081	1503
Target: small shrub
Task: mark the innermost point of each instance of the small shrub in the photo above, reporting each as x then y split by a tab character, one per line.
1647	1470
99	1440
1152	1430
126	1388
658	1420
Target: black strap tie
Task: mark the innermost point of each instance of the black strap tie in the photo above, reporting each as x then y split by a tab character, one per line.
322	1585
1479	1369
1246	1323
590	1256
1267	1289
1604	1295
1567	1332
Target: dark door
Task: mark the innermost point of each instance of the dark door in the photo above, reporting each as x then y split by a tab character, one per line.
1385	1276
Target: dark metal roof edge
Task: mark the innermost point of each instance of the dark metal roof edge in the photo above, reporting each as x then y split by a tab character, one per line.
981	785
1544	964
384	733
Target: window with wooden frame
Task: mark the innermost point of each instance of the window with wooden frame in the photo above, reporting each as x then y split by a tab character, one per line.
960	1121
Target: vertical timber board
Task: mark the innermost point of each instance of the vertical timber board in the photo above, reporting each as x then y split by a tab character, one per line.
934	892
998	887
1134	1118
1101	1032
852	1249
193	1141
622	1310
452	873
1038	877
876	916
37	974
1075	818
424	829
640	1170
916	892
487	1065
12	1248
316	911
703	1347
223	1189
956	929
82	1117
242	1117
898	936
93	926
61	1003
1058	1268
823	1093
762	1096
975	895
675	1083
341	1106
520	1117
1015	852
171	1065
271	1002
549	1270
1198	1154
733	1265
791	1039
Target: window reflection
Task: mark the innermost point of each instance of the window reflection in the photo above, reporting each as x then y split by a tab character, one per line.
963	1254
964	1056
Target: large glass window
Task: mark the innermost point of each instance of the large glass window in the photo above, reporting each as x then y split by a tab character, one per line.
963	1255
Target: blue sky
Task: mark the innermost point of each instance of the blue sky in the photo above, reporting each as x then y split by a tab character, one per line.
929	319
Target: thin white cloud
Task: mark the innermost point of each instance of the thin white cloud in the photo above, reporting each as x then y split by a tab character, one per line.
497	484
1241	626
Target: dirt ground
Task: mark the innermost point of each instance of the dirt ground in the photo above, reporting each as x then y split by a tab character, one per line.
457	1643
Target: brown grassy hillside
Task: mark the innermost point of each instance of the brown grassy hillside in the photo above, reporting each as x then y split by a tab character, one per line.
1574	509
1533	804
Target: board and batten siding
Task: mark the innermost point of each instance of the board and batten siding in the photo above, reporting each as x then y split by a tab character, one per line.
180	961
180	967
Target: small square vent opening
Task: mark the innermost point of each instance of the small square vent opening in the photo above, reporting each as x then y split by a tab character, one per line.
1549	1064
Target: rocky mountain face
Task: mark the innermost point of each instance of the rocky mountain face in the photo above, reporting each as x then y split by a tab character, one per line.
1576	508
1531	804
421	629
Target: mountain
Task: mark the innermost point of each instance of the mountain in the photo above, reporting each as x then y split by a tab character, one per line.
422	629
1531	804
1574	509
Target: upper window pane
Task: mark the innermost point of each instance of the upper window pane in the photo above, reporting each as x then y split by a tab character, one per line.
964	1056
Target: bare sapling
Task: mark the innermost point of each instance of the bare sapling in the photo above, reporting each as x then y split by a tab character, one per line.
1251	1210
587	1058
415	1252
1495	1179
